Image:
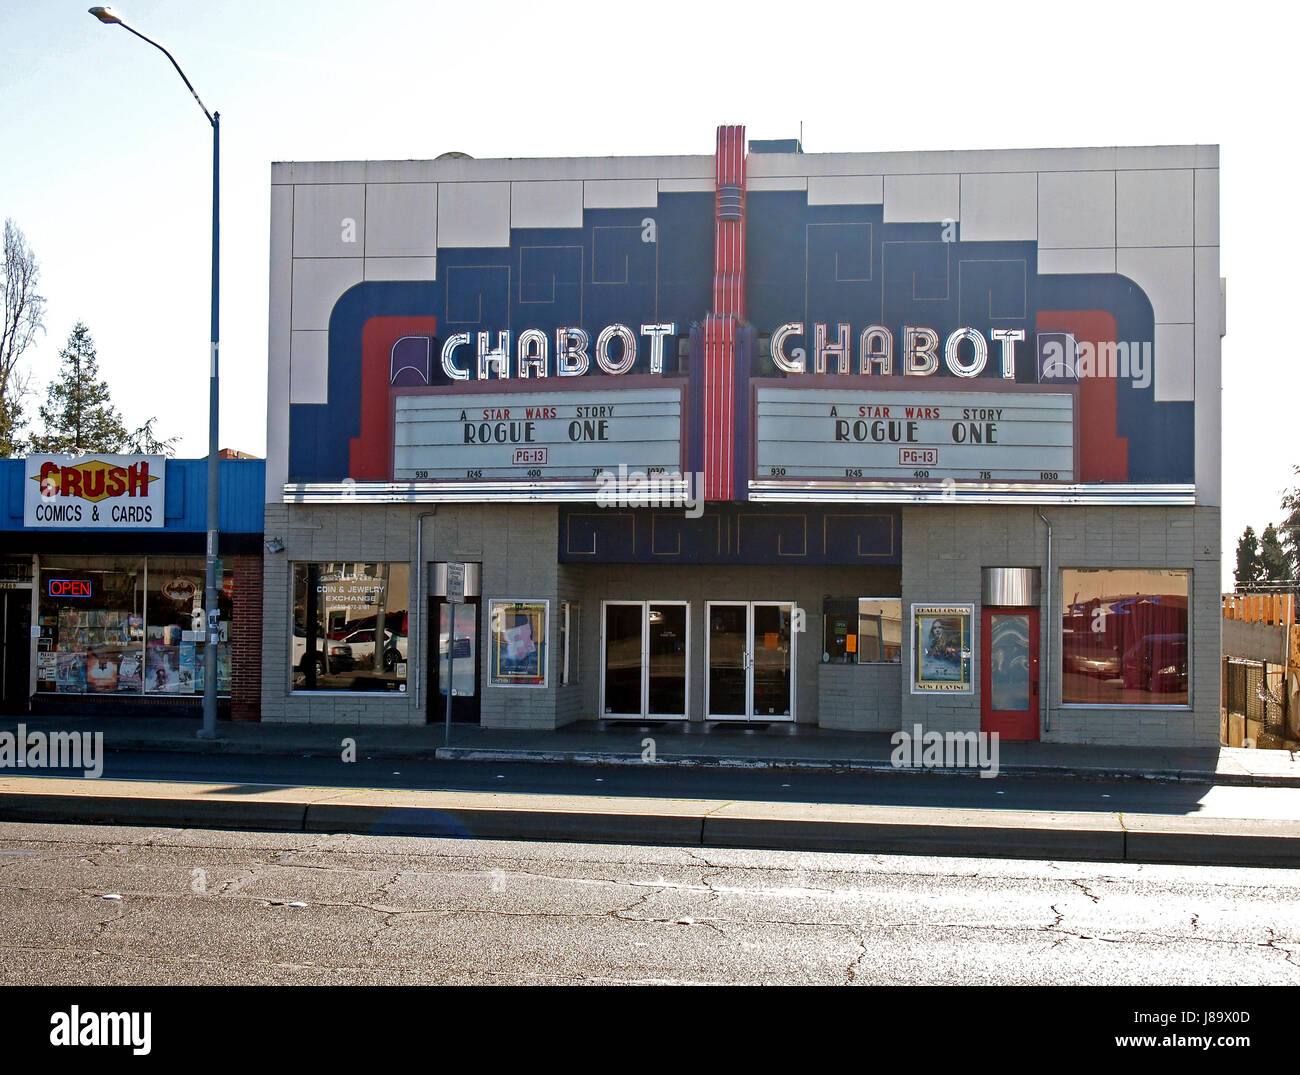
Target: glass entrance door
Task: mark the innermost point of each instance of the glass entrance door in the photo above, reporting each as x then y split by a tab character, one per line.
1009	673
453	661
750	660
645	660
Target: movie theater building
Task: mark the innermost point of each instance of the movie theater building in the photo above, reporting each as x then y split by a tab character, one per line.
850	441
102	572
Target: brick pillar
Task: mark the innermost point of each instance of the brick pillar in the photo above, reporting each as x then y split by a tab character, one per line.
246	640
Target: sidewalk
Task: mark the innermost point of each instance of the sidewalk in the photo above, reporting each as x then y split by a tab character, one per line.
909	830
727	746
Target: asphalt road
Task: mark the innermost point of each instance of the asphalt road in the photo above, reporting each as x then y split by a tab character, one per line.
886	789
204	907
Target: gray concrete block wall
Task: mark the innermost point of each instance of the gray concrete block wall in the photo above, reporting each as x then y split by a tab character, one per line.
945	547
519	562
569	700
327	533
860	697
519	543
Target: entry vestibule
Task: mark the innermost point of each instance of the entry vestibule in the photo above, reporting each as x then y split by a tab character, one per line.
647	660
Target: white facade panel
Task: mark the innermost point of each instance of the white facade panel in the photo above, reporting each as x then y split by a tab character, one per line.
1174	378
1076	209
674	186
1206	202
401	220
278	339
1153	208
780	182
546	205
620	193
922	199
473	214
1165	274
401	268
329	221
1209	377
1090	260
846	190
999	206
317	285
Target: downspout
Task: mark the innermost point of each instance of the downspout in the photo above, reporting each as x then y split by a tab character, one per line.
417	625
1047	583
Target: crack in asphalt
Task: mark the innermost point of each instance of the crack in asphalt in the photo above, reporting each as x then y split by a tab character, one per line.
851	973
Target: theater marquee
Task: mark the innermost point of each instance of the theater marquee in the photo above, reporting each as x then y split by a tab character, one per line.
527	437
908	436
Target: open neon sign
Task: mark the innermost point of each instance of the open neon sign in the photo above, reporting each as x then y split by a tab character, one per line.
69	587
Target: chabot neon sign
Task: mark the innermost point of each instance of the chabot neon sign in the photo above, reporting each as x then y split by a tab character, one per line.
530	354
966	352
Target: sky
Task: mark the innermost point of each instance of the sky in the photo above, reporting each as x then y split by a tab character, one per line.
105	159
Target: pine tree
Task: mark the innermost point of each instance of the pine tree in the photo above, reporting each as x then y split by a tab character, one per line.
1249	567
1290	528
1273	558
79	417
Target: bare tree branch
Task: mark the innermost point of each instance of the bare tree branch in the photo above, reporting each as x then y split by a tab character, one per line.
24	316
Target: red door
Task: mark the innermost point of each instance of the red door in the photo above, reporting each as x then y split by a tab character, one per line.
1009	673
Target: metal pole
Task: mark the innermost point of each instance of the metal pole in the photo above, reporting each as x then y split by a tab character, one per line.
209	729
213	627
1047	583
451	669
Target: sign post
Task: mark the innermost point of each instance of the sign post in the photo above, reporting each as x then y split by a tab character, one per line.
455	597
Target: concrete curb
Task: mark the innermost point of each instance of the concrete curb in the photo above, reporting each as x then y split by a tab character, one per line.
711	761
1102	837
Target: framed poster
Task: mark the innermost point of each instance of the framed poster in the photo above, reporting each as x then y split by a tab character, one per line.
519	637
943	649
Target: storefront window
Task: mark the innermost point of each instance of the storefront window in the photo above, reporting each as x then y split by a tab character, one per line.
863	630
1124	637
350	626
174	631
129	625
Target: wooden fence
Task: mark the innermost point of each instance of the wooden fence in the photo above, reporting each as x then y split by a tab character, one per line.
1272	608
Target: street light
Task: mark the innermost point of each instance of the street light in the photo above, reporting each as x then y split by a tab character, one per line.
209	730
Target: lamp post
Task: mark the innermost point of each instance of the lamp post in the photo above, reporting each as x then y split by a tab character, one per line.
212	627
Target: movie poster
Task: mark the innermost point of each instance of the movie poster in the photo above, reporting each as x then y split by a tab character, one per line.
102	670
518	631
130	673
70	673
186	668
162	669
943	649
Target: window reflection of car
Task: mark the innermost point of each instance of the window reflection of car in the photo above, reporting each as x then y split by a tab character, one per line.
361	648
330	656
1157	663
1100	665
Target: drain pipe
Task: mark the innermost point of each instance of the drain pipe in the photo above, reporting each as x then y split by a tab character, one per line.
1047	582
418	621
